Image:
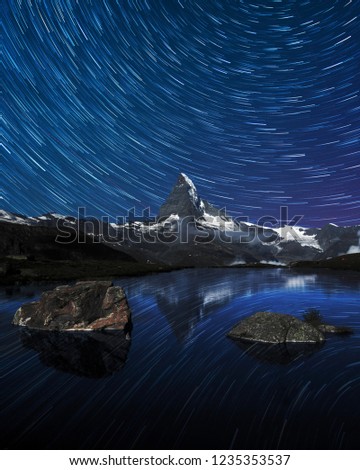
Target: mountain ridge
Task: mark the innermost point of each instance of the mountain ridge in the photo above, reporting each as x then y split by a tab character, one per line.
190	231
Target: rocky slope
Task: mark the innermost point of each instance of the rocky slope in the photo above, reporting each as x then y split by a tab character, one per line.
41	241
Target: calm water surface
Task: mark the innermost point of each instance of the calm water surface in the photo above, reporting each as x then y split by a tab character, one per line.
180	383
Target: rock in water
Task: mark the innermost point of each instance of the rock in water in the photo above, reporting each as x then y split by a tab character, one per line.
91	305
269	327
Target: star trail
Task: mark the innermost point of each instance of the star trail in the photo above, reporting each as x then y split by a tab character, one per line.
105	102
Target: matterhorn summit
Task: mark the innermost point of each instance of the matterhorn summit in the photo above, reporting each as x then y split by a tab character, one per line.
183	200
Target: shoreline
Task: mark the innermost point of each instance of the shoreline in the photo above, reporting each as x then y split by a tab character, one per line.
26	271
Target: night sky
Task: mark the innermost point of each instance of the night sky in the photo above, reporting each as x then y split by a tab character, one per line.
107	101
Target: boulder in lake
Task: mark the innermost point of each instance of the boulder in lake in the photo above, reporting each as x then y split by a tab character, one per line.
267	327
90	305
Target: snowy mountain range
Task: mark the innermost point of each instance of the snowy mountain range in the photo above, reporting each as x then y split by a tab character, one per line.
189	231
50	219
211	234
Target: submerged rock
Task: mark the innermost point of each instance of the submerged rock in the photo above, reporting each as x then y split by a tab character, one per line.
267	327
91	305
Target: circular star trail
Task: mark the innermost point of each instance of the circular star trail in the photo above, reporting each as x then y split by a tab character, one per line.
107	101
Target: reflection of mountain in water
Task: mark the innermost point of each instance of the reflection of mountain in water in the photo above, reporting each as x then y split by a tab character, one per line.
278	353
192	304
186	297
90	354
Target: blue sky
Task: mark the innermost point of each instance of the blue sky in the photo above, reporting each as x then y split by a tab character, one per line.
106	102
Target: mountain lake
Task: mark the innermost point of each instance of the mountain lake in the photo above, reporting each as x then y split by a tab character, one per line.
180	383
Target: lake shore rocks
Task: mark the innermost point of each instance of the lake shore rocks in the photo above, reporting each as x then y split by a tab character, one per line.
85	306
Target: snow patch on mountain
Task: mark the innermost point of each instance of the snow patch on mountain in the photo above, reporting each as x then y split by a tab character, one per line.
273	263
6	216
218	222
237	262
192	189
298	234
354	248
54	215
10	217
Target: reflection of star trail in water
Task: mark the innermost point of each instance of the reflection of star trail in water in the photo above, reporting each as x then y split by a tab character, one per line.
184	384
107	101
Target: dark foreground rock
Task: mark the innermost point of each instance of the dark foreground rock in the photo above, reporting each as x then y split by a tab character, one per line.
269	327
92	305
92	354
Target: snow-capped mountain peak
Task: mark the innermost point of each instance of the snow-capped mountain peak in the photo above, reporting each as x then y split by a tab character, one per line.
183	200
192	189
